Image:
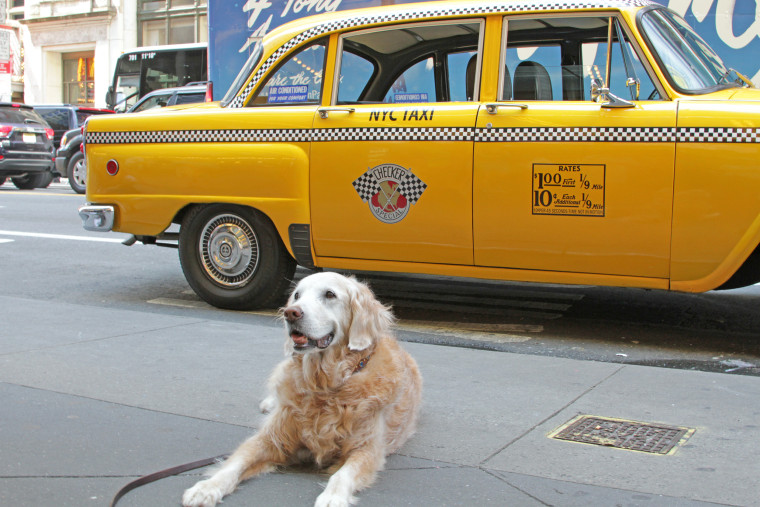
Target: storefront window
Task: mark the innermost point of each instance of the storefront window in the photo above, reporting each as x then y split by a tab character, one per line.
79	78
172	21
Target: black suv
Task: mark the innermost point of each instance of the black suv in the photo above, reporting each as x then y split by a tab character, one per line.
67	121
26	147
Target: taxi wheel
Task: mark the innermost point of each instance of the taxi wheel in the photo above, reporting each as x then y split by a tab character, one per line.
77	173
233	257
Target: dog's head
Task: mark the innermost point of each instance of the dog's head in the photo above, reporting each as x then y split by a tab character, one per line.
331	310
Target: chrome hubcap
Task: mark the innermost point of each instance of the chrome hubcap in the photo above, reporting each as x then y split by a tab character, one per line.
229	250
80	172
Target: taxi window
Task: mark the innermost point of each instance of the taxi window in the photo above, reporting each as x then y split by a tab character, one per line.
409	63
356	71
557	58
298	80
415	84
456	70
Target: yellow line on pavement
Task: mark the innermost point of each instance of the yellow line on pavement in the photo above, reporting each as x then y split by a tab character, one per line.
38	194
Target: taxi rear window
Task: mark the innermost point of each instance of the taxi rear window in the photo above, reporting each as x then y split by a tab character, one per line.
298	80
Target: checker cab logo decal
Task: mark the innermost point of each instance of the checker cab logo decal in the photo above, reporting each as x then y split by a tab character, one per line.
390	191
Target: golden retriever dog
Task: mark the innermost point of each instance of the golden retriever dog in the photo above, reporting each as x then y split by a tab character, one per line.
346	396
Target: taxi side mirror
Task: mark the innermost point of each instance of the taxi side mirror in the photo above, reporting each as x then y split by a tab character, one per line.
601	94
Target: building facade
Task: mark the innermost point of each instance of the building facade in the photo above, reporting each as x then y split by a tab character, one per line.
70	47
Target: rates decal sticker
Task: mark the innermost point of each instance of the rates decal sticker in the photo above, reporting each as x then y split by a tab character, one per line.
390	190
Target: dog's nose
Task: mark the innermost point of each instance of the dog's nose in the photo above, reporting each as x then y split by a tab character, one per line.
293	313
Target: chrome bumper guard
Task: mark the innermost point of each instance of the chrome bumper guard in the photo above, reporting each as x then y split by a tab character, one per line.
96	218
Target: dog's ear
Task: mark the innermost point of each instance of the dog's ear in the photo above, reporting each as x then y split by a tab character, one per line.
369	318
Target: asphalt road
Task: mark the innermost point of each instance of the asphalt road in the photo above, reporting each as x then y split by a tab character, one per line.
47	256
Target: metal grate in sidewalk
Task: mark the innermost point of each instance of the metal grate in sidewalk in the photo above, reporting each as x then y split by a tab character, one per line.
623	434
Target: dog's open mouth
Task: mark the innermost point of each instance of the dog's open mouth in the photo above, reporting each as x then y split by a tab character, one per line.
302	342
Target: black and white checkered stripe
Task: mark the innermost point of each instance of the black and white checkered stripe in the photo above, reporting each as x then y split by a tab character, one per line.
517	134
718	135
582	134
395	134
201	136
430	11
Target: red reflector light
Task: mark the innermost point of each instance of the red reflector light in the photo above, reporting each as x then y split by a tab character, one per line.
50	133
5	130
112	167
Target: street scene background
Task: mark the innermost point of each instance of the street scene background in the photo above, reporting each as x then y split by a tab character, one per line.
111	368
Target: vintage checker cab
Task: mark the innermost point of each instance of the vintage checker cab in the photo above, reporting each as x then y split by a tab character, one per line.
587	142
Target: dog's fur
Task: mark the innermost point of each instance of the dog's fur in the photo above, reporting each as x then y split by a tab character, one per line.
346	396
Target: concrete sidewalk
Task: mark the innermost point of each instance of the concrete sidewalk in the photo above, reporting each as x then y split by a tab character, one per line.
92	398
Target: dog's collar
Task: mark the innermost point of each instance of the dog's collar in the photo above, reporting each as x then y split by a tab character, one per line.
362	363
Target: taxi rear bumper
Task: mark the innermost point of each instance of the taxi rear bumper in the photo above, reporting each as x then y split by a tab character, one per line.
96	218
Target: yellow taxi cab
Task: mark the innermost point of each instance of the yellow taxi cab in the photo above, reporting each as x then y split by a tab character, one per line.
592	142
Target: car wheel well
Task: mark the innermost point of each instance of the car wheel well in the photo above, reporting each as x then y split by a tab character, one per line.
179	217
747	274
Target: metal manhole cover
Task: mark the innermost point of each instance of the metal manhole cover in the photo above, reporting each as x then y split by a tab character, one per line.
622	434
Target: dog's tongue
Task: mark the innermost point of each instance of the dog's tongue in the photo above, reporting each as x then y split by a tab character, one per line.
299	339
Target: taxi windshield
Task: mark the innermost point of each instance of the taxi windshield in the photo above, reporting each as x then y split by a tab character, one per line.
244	73
690	64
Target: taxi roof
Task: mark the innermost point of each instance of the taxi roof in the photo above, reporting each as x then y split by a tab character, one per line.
321	24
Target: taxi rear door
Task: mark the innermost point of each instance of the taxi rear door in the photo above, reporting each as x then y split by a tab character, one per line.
391	157
564	183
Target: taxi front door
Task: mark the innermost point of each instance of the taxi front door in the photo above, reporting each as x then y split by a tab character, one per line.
575	187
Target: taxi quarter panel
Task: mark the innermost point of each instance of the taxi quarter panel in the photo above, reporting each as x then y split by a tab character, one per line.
213	156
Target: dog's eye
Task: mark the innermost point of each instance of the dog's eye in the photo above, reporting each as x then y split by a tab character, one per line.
296	296
329	294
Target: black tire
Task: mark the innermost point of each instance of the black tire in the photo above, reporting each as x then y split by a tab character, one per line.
233	257
76	172
46	180
2	181
31	181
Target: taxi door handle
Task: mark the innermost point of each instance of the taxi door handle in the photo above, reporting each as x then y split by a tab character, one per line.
494	108
324	111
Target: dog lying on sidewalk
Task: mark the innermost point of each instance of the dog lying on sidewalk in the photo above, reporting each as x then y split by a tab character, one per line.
346	397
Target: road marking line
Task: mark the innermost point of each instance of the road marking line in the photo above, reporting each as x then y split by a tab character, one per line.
185	303
7	240
498	333
60	236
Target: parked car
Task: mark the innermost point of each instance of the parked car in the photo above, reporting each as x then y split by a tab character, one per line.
65	117
599	143
69	160
188	94
67	121
26	147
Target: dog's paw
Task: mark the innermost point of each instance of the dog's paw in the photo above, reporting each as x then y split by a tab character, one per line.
203	494
332	500
268	404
